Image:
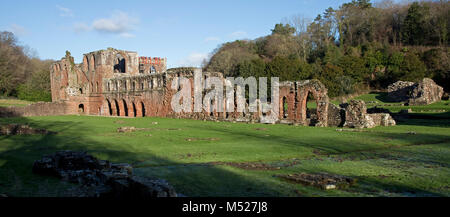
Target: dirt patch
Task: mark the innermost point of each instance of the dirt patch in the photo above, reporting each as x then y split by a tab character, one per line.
129	129
350	130
196	155
119	122
202	139
321	180
20	129
248	165
261	129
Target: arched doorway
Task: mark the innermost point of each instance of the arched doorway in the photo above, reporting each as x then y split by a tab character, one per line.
134	110
125	107
143	109
109	108
117	108
313	103
81	108
285	106
311	109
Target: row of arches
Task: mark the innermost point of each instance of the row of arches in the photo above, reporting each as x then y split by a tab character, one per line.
127	109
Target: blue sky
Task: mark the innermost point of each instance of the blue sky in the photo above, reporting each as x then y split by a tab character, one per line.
183	31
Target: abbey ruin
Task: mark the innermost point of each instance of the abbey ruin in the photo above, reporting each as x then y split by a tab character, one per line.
120	83
114	82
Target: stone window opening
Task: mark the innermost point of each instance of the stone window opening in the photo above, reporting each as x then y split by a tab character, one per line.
119	64
81	108
311	109
124	85
142	85
285	107
133	86
81	90
152	70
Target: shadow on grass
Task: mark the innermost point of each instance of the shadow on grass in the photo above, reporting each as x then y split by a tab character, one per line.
17	154
425	119
383	97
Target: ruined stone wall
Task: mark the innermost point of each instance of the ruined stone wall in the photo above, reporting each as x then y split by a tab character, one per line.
36	109
119	83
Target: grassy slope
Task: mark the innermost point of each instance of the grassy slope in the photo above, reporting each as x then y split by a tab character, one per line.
13	102
379	100
386	160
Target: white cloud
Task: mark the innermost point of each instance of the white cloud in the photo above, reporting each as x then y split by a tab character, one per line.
194	59
18	30
209	39
81	27
126	35
64	12
119	22
238	35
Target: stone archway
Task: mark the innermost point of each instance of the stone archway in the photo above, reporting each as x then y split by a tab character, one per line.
81	108
117	110
110	109
132	110
124	108
320	93
143	109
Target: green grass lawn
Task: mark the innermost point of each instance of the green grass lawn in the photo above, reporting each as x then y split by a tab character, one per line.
380	100
386	161
13	102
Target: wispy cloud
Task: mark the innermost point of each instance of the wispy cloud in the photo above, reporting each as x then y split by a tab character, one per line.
238	35
194	59
64	12
81	27
126	35
212	39
119	23
18	30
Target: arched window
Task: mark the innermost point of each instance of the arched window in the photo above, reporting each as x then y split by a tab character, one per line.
119	64
81	108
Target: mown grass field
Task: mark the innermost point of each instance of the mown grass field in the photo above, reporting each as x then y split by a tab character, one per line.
410	159
13	102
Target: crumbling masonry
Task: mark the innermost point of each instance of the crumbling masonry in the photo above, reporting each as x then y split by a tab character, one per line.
120	83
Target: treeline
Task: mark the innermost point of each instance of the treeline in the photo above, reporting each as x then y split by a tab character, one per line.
21	74
358	46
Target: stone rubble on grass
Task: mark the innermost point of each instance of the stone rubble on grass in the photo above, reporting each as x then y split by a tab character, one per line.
21	129
422	93
128	129
101	177
356	116
321	180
